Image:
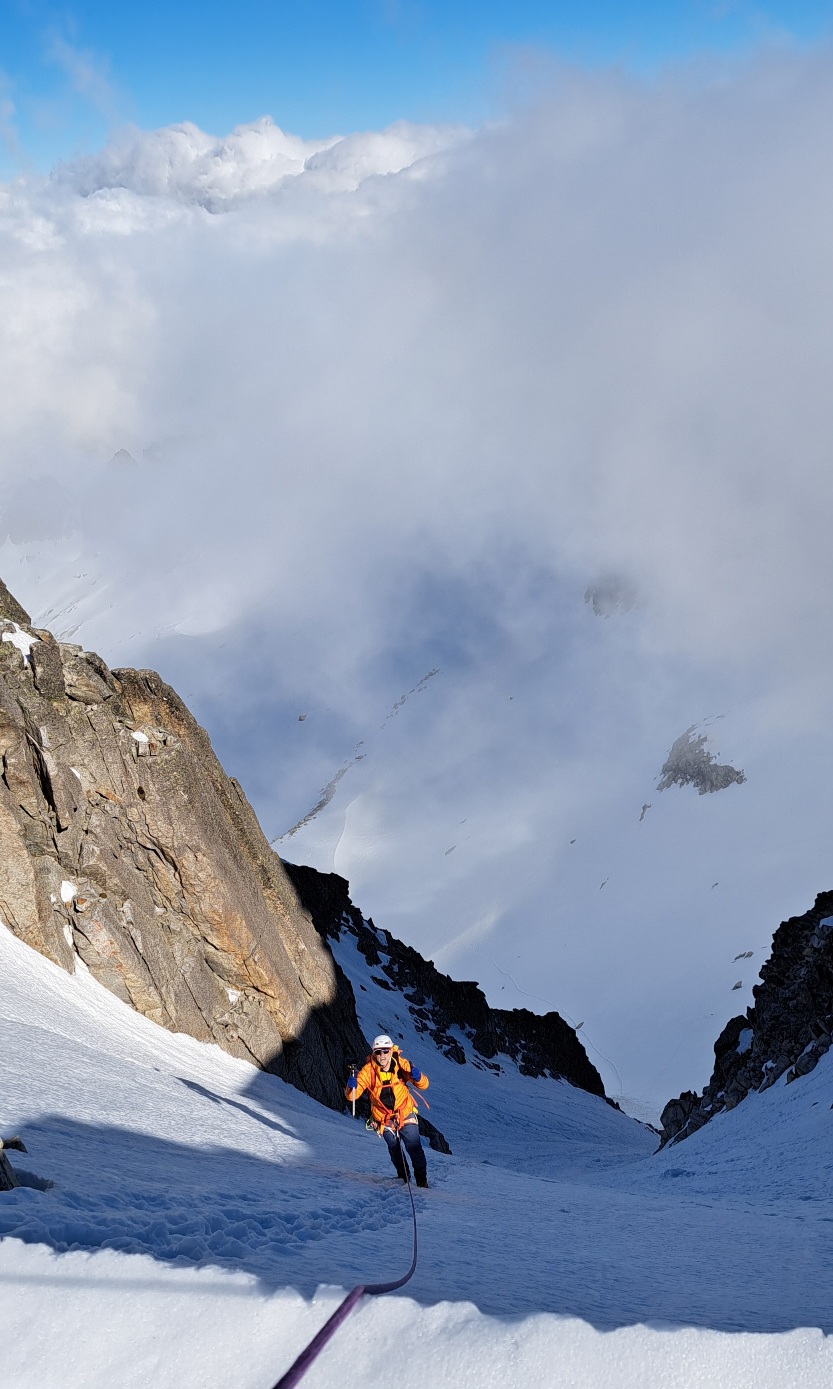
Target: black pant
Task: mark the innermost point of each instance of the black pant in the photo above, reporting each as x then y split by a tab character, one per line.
410	1140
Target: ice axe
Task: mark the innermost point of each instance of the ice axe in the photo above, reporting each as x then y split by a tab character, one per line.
8	1176
16	1143
353	1074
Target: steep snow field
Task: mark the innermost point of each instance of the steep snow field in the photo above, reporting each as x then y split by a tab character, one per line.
204	1218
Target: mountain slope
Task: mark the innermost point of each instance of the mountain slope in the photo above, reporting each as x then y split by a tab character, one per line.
124	845
198	1202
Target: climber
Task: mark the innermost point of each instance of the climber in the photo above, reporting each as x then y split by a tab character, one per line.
386	1076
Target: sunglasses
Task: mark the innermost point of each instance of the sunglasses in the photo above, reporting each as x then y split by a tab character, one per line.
383	1051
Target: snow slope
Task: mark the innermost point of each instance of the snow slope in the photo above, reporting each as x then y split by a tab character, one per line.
204	1216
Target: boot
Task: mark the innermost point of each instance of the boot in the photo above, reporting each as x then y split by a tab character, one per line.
422	1180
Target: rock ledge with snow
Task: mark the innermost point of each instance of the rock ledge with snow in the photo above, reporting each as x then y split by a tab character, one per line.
786	1032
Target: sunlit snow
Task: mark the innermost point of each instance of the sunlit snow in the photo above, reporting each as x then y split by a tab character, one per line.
189	1219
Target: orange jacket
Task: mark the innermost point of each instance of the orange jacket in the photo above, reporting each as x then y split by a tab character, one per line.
372	1079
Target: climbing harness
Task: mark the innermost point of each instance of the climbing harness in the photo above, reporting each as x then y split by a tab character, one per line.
296	1371
387	1100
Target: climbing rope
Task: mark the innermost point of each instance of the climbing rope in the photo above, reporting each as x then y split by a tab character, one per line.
296	1371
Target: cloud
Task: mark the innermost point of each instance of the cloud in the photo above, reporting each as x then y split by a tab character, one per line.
181	162
396	401
186	165
86	72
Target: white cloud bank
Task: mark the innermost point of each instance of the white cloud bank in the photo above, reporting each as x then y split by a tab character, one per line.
396	402
183	163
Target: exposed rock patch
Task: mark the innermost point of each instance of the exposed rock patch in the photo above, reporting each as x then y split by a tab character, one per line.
689	763
788	1029
10	608
610	596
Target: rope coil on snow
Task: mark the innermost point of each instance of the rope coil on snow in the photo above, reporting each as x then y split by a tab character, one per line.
298	1369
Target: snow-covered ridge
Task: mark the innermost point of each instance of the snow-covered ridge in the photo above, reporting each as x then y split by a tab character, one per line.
452	1015
786	1032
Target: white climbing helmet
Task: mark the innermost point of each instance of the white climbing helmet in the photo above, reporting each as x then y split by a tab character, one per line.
383	1043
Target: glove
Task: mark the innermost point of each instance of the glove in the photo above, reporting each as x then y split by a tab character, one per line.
415	1074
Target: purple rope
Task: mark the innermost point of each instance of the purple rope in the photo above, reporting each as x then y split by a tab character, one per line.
296	1371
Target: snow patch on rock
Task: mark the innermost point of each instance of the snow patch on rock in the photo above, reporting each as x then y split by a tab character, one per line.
22	640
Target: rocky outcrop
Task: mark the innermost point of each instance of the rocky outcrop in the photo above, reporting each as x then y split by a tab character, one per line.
788	1029
10	608
123	844
539	1045
689	763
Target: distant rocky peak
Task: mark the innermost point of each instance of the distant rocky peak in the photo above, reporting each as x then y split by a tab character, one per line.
785	1033
690	763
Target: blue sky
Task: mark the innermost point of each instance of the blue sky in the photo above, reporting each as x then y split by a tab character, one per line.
70	73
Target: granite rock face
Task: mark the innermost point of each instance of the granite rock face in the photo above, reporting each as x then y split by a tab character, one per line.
788	1029
124	844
